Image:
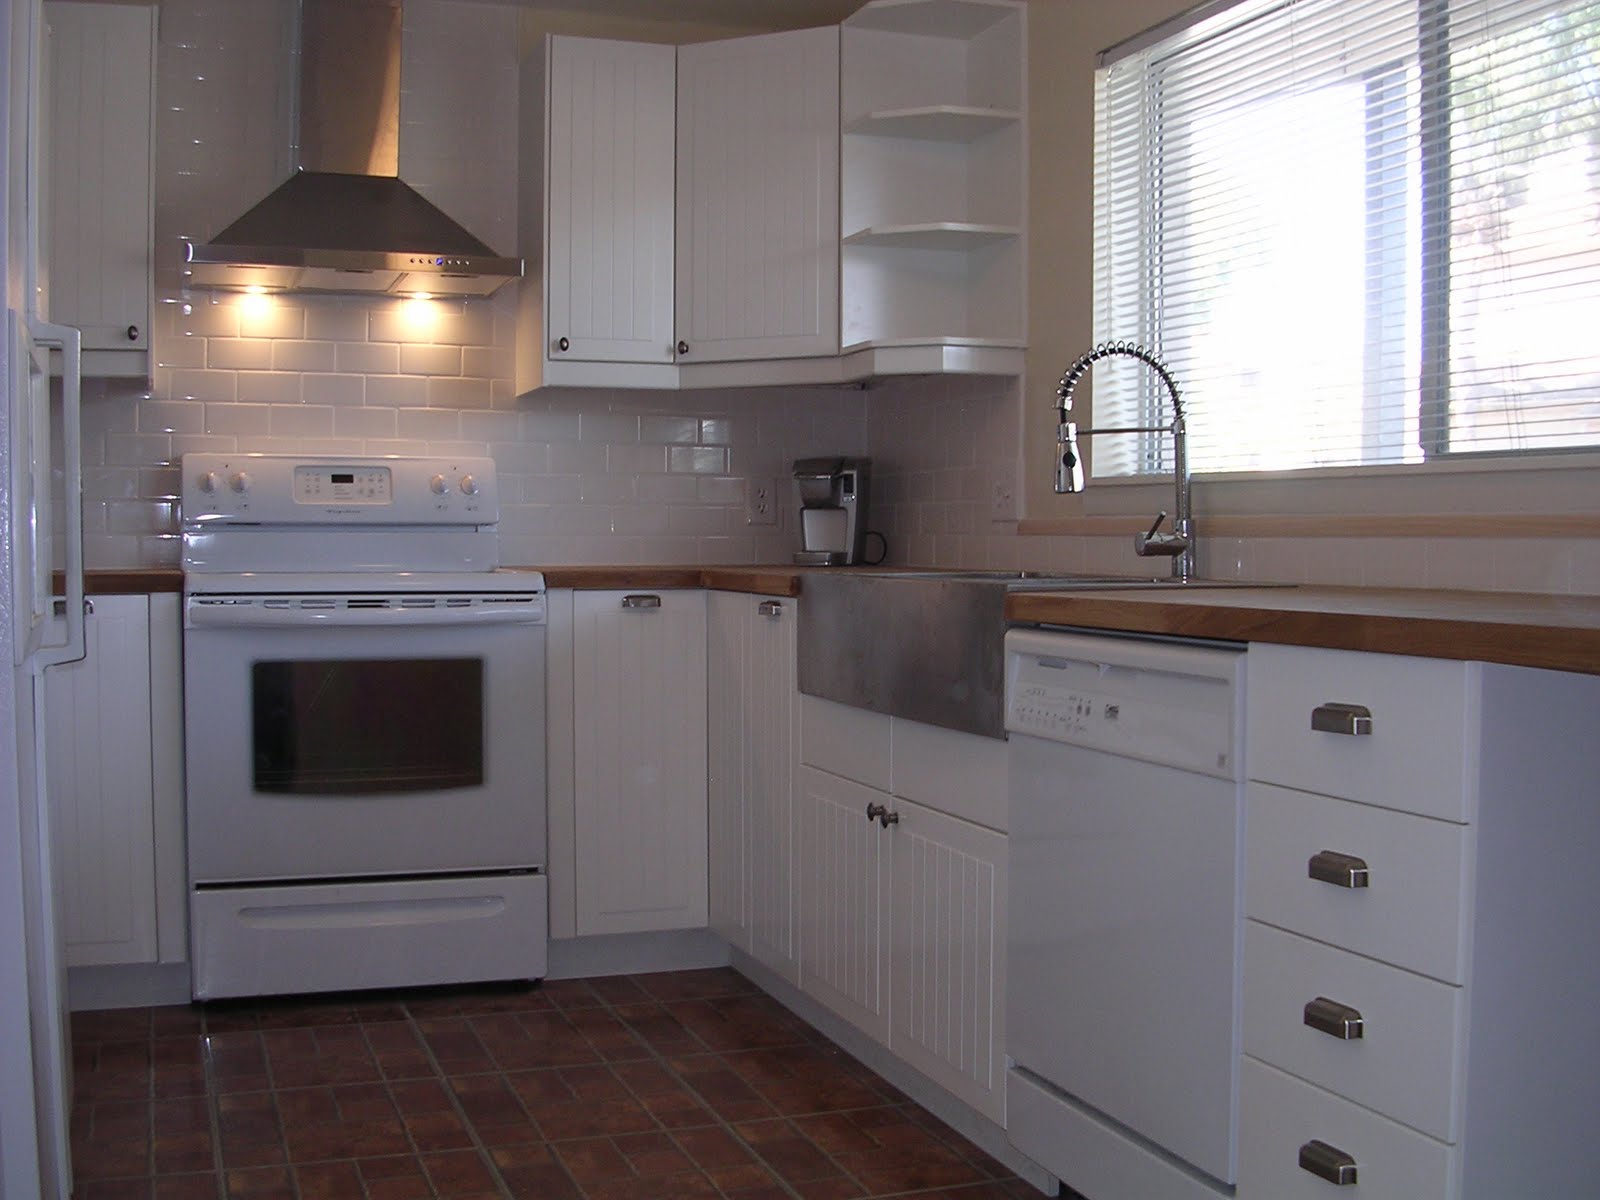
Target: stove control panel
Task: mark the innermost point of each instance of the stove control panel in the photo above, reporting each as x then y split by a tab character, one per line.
223	490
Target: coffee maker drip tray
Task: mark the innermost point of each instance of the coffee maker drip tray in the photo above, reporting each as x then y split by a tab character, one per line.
820	558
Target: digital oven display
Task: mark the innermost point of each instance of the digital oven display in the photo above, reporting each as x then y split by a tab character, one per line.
343	485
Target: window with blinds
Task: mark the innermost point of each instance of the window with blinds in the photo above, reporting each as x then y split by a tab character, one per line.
1361	232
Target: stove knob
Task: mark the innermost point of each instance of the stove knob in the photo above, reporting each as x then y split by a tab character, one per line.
469	486
438	485
208	482
240	483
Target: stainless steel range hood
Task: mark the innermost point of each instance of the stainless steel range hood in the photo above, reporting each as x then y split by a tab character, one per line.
344	221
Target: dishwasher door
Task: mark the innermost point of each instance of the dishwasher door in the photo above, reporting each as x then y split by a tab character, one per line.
1126	844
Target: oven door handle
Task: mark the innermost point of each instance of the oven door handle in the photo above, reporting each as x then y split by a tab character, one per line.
251	616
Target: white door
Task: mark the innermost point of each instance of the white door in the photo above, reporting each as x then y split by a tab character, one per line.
102	793
844	927
608	273
727	627
947	963
639	715
772	752
758	197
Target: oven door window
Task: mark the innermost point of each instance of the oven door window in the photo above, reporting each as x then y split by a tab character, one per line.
367	726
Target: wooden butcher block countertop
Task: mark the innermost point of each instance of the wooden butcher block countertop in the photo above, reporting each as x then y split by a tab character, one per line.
1524	629
1532	630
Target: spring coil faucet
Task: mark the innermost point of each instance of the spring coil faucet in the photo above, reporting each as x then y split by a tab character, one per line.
1179	543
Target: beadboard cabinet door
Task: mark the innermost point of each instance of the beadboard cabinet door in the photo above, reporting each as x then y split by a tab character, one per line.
639	735
758	197
754	751
947	953
100	204
608	190
844	912
99	775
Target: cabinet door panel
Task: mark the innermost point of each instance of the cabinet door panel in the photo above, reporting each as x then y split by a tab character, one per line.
771	706
102	87
98	758
947	971
639	699
726	630
843	918
609	201
758	196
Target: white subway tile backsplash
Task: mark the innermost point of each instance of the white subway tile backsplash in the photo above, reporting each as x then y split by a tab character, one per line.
335	389
270	387
339	319
367	358
238	354
396	391
171	416
288	355
358	422
217	386
430	360
239	419
302	420
445	392
433	424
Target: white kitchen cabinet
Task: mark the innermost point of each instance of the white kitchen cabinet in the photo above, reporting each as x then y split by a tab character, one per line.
100	204
114	785
639	740
608	207
758	188
844	910
754	749
679	212
933	185
1472	1075
902	925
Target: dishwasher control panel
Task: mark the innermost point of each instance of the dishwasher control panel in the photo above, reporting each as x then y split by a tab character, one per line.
1179	705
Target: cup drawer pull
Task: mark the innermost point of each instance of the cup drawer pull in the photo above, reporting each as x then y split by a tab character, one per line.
1328	1162
1334	1019
1352	719
641	601
1341	870
770	608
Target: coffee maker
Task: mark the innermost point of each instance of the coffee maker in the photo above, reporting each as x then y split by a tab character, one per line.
833	509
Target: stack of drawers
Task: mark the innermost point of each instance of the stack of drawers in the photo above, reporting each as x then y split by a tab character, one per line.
1360	853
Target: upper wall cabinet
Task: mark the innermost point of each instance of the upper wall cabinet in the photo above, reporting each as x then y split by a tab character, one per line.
933	205
680	212
101	64
758	188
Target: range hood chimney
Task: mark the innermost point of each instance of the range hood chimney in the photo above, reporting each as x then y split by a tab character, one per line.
344	221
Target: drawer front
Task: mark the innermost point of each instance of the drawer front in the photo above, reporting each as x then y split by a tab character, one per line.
1415	757
1404	1064
1409	914
1278	1114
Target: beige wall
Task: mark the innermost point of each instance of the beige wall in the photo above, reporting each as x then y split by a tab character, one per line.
1558	499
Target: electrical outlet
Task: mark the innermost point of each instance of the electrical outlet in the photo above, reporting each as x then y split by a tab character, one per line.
760	507
1002	501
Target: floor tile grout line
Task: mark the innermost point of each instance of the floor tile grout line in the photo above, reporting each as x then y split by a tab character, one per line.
484	1152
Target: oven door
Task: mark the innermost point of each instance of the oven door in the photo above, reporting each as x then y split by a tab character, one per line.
333	742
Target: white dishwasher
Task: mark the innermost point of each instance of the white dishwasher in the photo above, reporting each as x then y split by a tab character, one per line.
1126	844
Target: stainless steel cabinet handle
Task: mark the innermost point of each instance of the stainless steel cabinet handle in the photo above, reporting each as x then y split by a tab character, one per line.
1334	1019
1328	1162
876	812
641	601
1352	719
59	607
769	608
1341	870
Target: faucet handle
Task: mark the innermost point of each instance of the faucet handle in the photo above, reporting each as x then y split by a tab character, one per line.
1156	524
1151	543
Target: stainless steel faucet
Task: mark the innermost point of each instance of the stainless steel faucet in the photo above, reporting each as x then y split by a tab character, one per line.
1179	543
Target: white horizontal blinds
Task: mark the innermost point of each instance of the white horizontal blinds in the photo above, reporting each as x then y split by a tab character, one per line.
1360	232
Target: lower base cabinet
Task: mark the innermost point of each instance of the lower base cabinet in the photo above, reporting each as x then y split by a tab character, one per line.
639	774
902	923
113	767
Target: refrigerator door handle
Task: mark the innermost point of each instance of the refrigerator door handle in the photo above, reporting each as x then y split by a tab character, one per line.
70	342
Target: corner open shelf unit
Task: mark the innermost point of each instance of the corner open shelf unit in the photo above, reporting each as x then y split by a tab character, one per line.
934	183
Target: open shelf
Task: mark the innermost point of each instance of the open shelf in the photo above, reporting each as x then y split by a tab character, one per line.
932	18
934	122
933	235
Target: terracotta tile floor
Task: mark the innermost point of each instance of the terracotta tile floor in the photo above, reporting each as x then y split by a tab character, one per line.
681	1084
